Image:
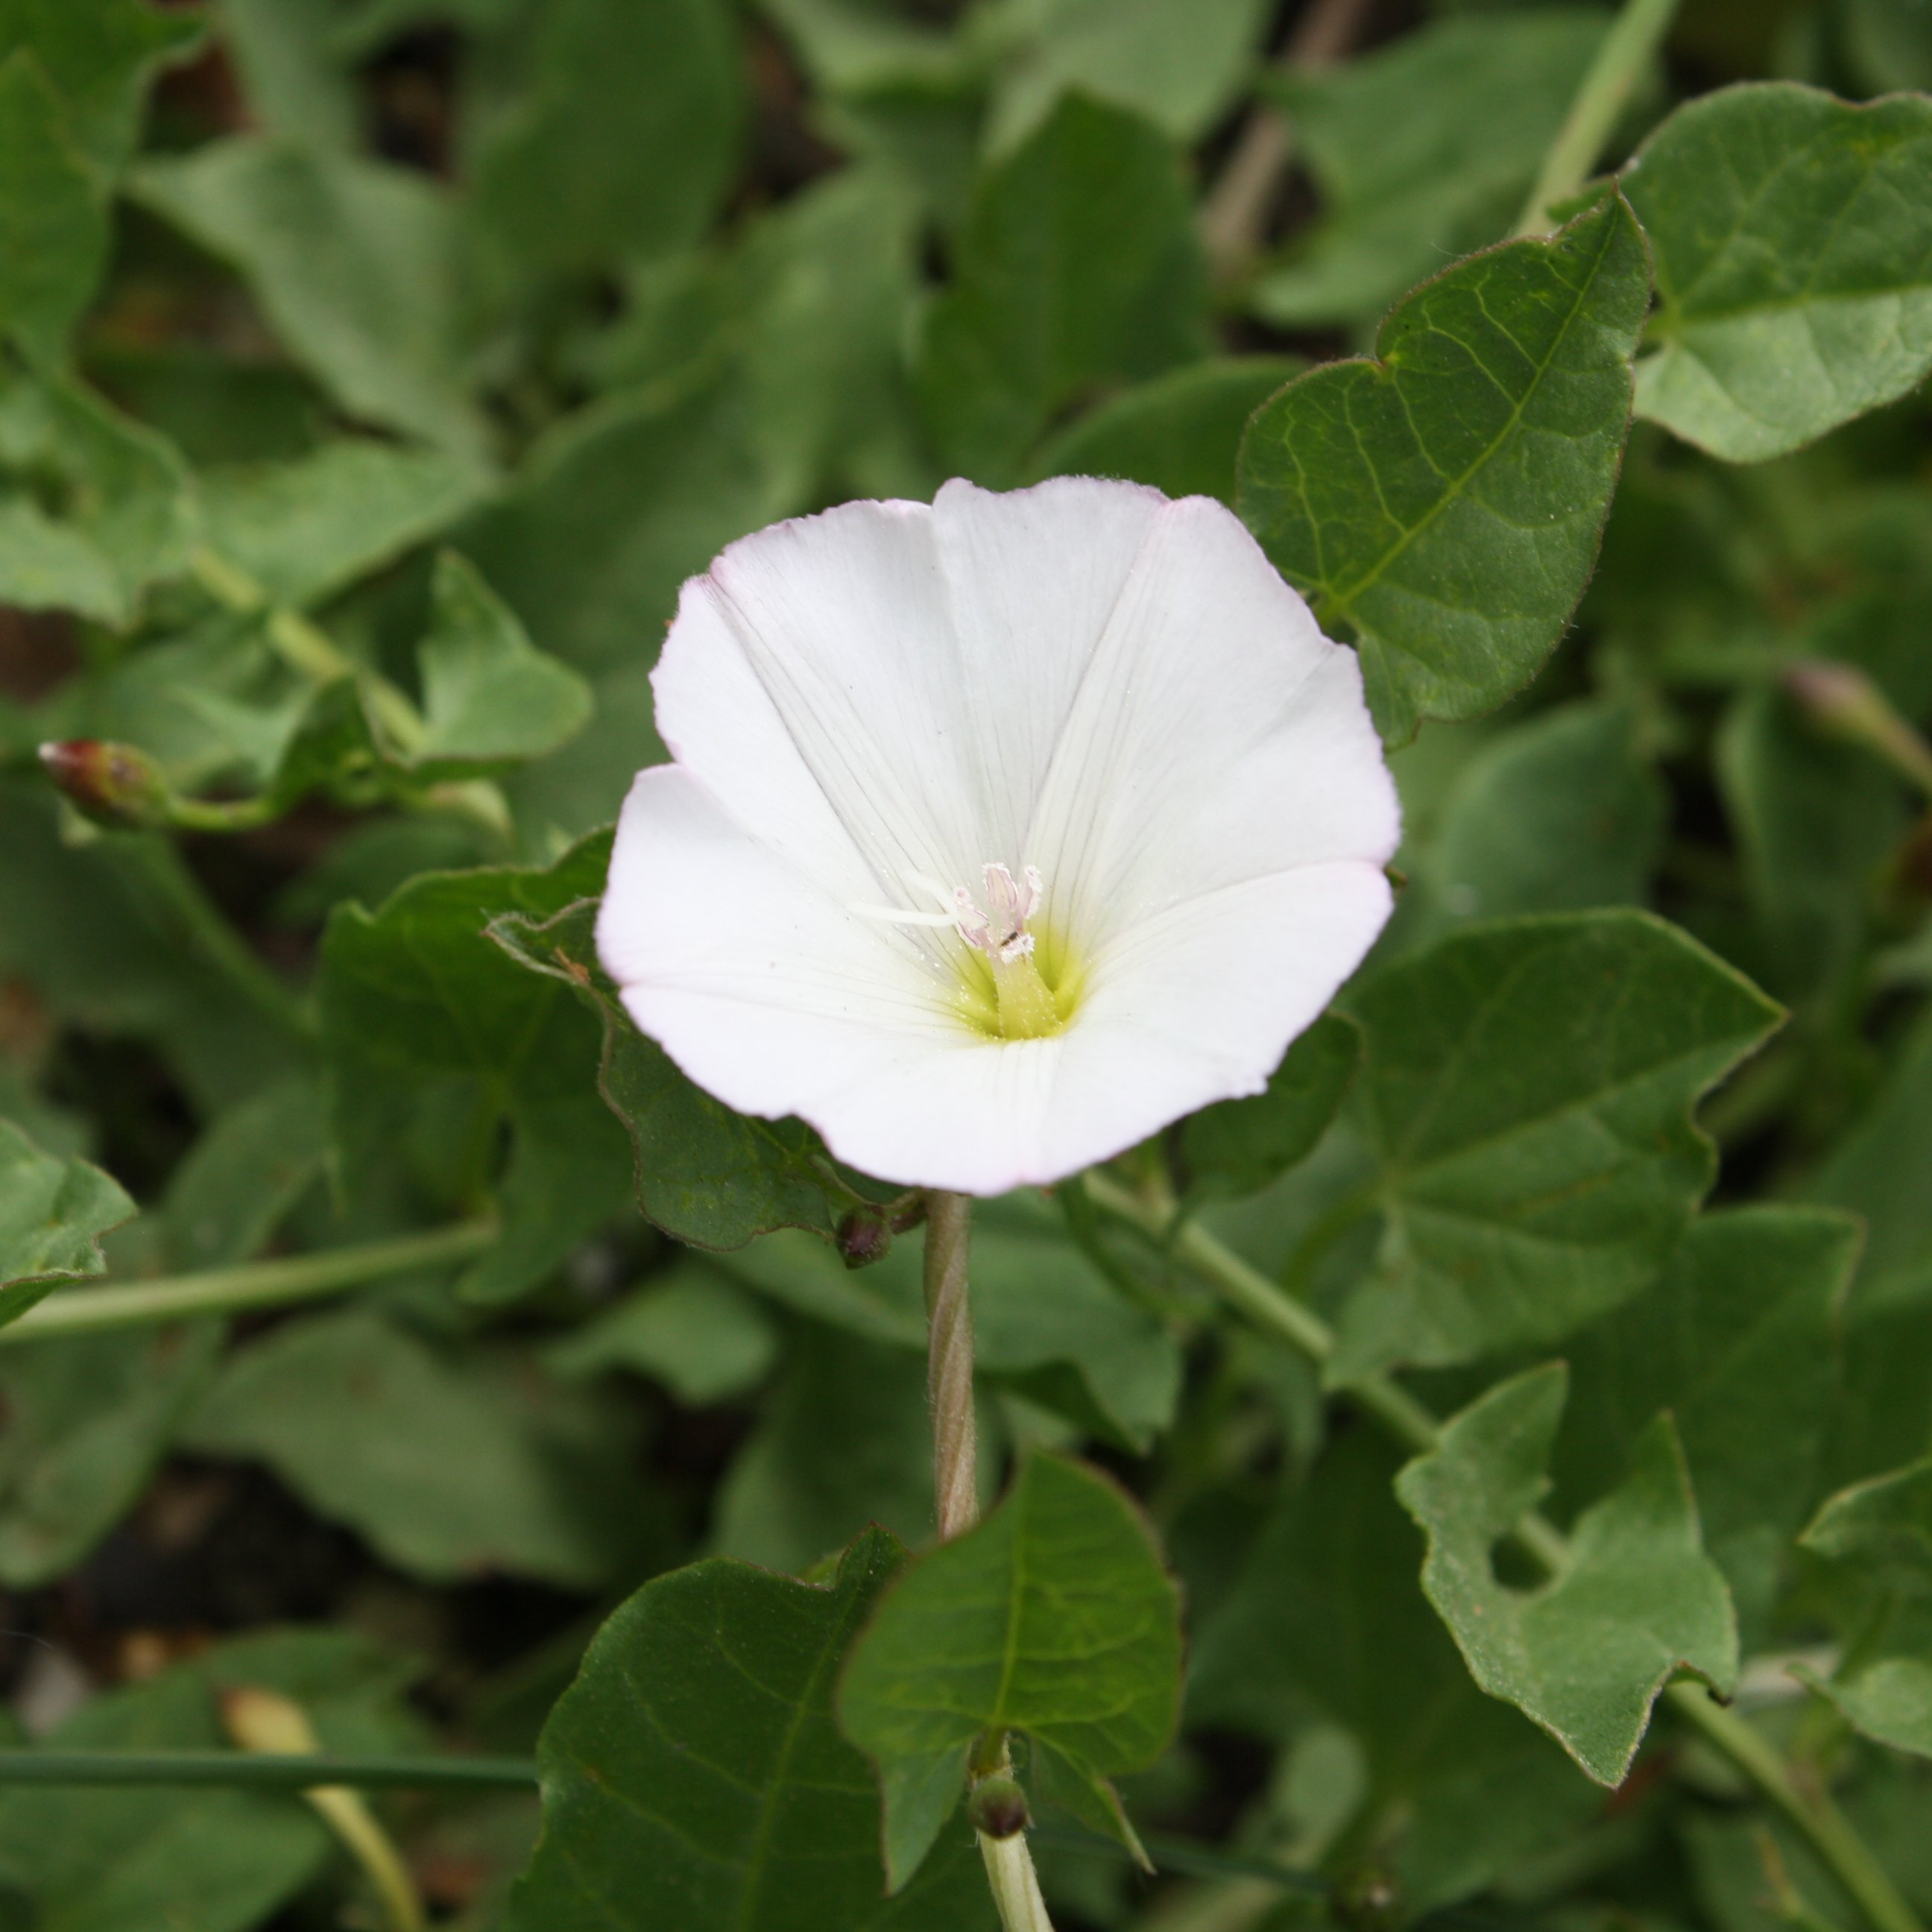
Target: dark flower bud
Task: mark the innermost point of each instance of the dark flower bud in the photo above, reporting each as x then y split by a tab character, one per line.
113	784
863	1237
997	1806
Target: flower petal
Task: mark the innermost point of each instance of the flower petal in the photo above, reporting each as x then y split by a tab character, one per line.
1217	736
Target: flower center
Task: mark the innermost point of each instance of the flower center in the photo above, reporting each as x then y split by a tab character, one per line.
1006	993
1023	1001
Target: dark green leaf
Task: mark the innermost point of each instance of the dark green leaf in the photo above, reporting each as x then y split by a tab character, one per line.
1240	1146
620	138
1054	1618
125	515
454	1461
1179	432
1560	814
1422	150
99	54
1327	1618
53	222
1792	236
1528	1092
785	1503
692	1329
88	1418
134	1859
352	261
1444	502
1882	1531
708	1176
1180	69
1078	268
420	1010
1586	1655
489	698
1736	1341
693	1778
53	1213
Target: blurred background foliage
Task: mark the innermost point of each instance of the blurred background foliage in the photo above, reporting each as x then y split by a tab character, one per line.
376	370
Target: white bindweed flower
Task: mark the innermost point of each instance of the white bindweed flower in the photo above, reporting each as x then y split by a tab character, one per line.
1001	832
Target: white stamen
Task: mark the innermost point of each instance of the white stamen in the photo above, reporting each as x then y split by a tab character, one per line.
1000	933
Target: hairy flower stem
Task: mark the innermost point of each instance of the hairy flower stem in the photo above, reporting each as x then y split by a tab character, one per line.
1627	49
955	1492
1808	1807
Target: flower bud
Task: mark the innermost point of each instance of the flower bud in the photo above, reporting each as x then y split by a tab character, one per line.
113	784
997	1806
862	1237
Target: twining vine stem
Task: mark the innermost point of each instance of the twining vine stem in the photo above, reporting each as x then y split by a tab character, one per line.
956	1490
1809	1807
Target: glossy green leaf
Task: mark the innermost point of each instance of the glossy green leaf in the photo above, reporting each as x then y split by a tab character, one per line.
1180	69
1881	1531
1736	1340
1443	502
53	223
1239	1146
1078	268
420	1011
352	261
124	515
454	1462
1792	237
1422	150
708	1176
618	137
1179	432
490	698
53	1213
1528	1093
99	54
692	1776
1585	1654
304	530
1054	1618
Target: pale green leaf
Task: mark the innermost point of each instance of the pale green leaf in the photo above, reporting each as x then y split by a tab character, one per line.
1054	1618
1443	502
1585	1654
53	218
1792	237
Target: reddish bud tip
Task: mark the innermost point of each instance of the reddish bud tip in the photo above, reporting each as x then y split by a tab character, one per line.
114	783
863	1237
998	1807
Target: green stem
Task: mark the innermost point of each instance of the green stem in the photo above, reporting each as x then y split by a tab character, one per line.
262	1770
1825	1828
1627	49
230	1291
